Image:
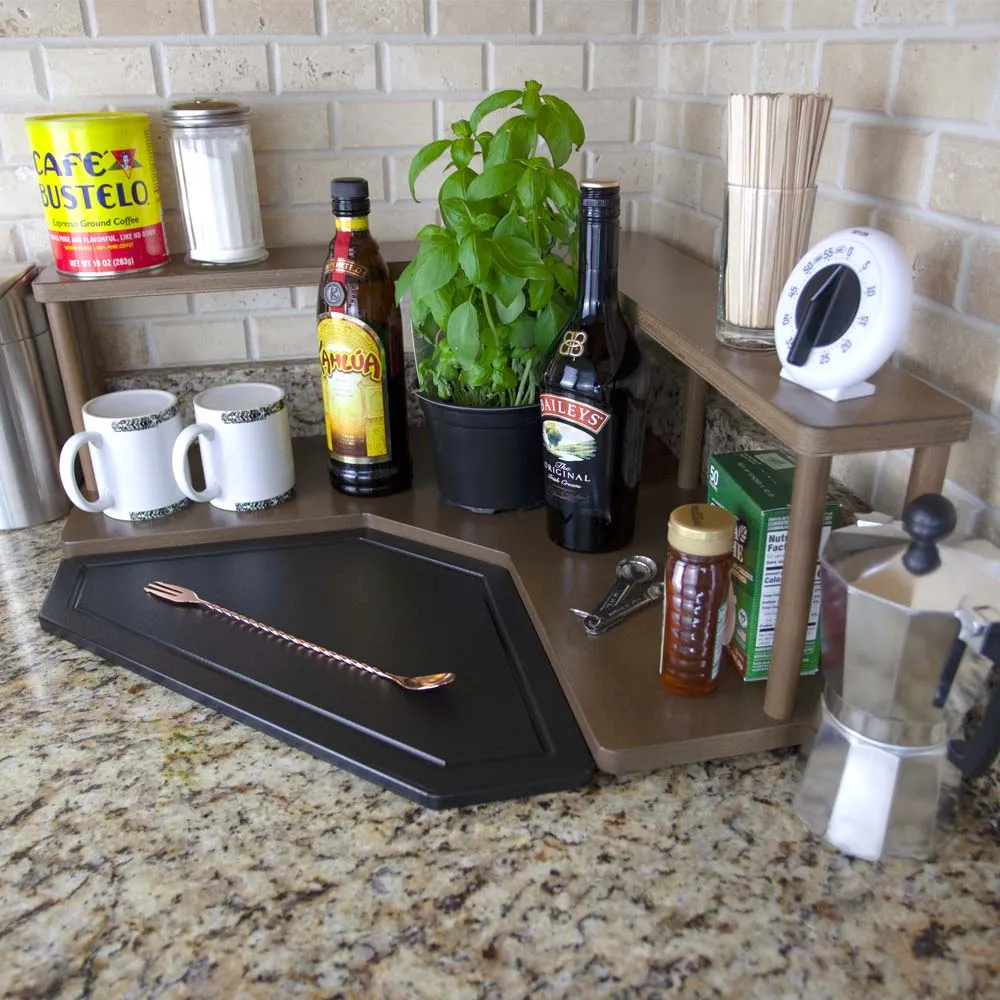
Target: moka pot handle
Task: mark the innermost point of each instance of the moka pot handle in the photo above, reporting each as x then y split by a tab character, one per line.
973	757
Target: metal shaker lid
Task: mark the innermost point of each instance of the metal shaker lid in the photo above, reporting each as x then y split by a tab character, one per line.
909	564
205	113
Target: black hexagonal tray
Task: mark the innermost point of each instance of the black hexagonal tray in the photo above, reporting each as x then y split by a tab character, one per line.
503	729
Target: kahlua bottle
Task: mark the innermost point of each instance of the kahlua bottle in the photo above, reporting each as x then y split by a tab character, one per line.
361	355
594	396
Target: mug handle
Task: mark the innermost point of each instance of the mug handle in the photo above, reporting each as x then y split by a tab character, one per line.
179	463
67	472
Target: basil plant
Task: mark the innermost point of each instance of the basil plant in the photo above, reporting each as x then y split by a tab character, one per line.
492	287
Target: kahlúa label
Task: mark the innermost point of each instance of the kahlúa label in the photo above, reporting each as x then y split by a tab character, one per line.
355	392
579	454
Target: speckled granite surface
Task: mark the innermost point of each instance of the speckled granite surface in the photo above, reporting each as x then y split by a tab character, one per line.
150	848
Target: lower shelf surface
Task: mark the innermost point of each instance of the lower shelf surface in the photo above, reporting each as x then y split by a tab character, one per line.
611	681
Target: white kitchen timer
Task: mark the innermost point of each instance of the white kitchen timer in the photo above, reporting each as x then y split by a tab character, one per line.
843	312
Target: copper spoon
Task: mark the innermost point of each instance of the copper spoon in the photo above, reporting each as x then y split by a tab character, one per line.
181	595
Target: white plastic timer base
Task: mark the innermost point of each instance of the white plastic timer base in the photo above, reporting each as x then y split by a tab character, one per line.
856	391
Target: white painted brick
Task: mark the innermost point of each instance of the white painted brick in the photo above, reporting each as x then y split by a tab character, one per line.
287	125
632	167
31	18
119	71
483	17
8	242
147	17
17	78
786	66
595	18
403	123
400	221
269	169
703	128
686	68
633	65
310	178
730	69
216	69
18	190
120	346
967	179
676	178
554	65
140	308
290	336
14	138
947	80
199	341
251	299
382	17
296	227
885	12
304	297
318	68
857	75
436	67
886	161
264	17
428	183
606	121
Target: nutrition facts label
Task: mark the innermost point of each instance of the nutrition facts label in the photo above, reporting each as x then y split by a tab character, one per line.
774	560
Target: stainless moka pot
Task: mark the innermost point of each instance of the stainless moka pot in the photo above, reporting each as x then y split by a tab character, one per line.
910	628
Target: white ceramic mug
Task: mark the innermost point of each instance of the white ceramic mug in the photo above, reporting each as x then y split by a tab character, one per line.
246	447
130	435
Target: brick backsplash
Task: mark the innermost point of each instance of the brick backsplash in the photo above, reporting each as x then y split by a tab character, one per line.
358	85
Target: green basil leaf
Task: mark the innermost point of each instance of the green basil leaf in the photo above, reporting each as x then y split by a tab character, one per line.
499	149
509	313
531	103
539	292
556	135
523	137
531	188
462	128
484	221
404	280
512	225
474	256
424	158
430	231
522	332
419	311
457	184
463	333
574	127
462	151
518	256
564	275
439	302
493	181
436	266
501	99
506	286
562	189
455	213
545	329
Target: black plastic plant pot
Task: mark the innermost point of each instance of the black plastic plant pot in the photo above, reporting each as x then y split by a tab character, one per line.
486	459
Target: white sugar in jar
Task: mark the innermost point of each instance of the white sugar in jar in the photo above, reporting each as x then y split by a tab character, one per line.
213	160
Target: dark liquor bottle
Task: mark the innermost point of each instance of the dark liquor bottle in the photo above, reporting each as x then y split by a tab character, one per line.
594	396
361	355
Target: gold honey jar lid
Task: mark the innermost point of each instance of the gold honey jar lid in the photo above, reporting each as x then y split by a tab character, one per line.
700	529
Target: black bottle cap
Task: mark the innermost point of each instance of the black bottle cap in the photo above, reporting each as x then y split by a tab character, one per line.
600	199
350	196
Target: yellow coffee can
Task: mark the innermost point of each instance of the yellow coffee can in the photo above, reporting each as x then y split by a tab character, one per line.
98	186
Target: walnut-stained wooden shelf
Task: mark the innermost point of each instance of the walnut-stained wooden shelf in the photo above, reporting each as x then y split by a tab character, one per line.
673	298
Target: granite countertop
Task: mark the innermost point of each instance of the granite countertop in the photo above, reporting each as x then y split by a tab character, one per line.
153	848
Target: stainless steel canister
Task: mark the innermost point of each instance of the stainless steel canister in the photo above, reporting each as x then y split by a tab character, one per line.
34	421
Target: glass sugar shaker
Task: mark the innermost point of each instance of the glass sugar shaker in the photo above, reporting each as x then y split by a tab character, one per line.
699	560
216	181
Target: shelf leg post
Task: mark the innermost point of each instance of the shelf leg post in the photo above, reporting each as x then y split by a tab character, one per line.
73	372
805	525
692	428
928	470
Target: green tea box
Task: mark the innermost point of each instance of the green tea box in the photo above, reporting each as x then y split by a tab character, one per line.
756	488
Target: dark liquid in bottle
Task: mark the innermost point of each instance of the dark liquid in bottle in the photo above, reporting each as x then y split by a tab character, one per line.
594	397
361	355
